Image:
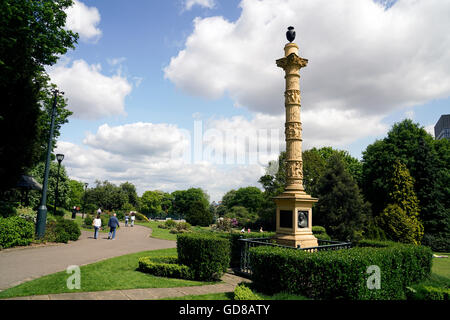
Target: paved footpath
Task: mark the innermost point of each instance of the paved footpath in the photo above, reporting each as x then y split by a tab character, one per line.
229	283
18	265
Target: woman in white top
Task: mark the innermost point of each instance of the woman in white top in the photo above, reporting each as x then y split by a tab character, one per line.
97	224
133	217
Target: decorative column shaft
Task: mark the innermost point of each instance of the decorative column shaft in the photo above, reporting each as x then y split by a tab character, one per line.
291	64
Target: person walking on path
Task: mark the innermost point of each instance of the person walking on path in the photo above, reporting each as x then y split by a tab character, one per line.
133	217
99	211
113	223
97	225
126	219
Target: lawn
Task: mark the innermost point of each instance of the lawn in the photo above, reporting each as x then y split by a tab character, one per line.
112	274
441	266
165	234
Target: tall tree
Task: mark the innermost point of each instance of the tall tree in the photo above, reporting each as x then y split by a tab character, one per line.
151	203
400	219
414	147
32	37
341	208
184	199
250	198
130	190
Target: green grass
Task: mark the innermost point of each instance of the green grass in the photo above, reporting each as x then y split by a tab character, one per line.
112	274
165	233
441	266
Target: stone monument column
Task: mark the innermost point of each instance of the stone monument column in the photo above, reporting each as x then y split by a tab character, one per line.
294	206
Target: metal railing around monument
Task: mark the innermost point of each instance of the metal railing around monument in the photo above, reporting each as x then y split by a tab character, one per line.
246	244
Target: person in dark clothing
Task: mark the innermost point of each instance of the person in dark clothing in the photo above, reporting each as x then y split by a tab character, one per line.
113	224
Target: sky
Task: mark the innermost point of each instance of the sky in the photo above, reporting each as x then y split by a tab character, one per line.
170	95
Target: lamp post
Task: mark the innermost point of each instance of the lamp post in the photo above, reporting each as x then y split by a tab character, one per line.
60	158
42	210
84	202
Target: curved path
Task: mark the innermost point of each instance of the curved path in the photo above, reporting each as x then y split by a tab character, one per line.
18	265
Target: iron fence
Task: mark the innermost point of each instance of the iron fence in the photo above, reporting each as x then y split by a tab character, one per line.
246	244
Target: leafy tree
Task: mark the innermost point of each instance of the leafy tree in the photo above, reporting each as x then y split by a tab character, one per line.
414	147
274	181
63	185
250	198
151	203
400	218
341	208
76	193
33	36
244	217
198	214
184	199
130	190
107	196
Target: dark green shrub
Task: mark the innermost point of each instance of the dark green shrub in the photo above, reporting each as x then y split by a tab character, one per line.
165	267
183	226
7	209
62	230
243	292
341	274
198	214
71	227
320	233
169	224
207	255
15	231
105	219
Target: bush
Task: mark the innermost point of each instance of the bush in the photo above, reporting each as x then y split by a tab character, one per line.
199	215
340	274
7	209
62	230
207	255
15	231
243	292
320	233
165	267
169	224
27	213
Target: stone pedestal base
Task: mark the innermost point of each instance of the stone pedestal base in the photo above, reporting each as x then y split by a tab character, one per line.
294	220
304	241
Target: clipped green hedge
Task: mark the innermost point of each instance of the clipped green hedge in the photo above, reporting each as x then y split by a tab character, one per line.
341	274
165	267
243	292
15	231
207	255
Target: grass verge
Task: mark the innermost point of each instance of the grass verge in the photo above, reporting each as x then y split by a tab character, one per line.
117	273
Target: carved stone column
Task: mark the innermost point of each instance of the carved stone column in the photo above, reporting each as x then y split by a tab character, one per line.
294	206
291	65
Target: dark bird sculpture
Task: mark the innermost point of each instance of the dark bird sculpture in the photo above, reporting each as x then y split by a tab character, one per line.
290	34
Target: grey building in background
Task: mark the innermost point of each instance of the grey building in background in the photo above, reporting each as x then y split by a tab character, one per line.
442	127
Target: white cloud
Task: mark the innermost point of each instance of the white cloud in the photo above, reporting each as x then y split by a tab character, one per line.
84	20
91	94
202	3
363	59
148	155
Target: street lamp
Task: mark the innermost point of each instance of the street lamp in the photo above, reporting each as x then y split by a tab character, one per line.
84	202
60	158
42	210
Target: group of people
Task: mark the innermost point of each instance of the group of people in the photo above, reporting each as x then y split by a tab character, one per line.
248	230
113	224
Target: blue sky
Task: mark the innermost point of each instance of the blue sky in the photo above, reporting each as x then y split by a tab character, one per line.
146	75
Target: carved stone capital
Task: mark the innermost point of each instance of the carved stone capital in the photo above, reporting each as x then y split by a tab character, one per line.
292	60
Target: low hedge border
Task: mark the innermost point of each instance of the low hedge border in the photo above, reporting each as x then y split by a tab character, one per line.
165	267
341	274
